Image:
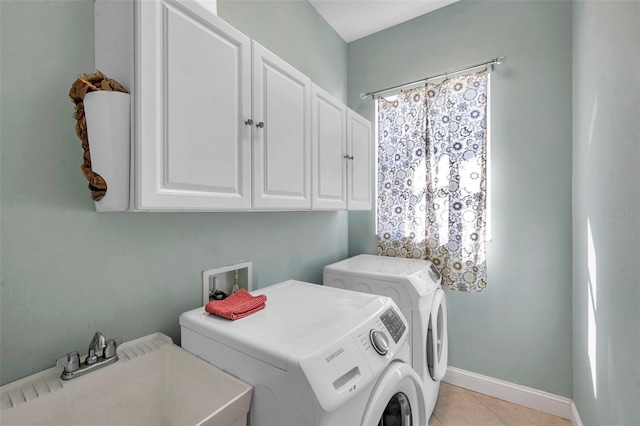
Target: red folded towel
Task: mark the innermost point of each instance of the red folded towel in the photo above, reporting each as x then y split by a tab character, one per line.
238	305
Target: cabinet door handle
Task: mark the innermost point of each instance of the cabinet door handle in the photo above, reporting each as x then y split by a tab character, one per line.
260	125
249	122
348	157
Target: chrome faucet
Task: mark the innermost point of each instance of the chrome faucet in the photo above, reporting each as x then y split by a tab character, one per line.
74	368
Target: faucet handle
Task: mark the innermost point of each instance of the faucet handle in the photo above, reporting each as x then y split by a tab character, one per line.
96	344
70	362
110	349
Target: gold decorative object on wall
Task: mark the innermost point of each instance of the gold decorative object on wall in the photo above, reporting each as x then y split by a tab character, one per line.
84	84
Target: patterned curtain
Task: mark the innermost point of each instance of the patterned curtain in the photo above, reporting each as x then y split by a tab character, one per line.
432	178
402	175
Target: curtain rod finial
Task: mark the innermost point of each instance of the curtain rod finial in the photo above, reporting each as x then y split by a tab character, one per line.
363	96
501	59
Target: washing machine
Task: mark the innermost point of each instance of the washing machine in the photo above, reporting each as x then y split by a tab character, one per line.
415	287
315	355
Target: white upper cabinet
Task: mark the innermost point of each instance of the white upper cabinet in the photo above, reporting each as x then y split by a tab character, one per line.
193	83
360	149
329	151
222	124
341	155
281	134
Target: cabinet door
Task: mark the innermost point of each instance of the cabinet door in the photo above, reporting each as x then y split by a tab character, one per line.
192	91
281	133
360	149
328	151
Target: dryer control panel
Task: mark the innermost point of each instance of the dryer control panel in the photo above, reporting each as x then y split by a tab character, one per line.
434	274
393	323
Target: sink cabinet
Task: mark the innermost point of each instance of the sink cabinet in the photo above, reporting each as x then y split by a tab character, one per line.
223	124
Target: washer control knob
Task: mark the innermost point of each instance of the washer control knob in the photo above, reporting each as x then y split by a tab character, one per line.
379	341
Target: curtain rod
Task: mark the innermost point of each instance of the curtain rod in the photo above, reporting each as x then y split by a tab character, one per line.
497	61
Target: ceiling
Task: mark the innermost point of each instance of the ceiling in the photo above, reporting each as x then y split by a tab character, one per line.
354	19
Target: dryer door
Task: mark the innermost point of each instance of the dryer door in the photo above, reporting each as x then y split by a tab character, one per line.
397	398
437	342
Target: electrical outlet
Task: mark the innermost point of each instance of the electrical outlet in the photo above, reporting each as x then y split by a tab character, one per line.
223	279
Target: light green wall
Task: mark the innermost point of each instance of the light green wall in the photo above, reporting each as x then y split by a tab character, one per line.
606	214
519	329
298	34
67	271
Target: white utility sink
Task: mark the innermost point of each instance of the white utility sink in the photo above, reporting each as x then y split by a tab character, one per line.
154	382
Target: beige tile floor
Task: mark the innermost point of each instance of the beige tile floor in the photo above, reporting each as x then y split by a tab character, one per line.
460	407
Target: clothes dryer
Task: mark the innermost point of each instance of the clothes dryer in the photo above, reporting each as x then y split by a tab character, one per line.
316	356
415	287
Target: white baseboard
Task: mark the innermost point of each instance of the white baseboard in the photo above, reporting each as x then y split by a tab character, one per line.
575	417
517	394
